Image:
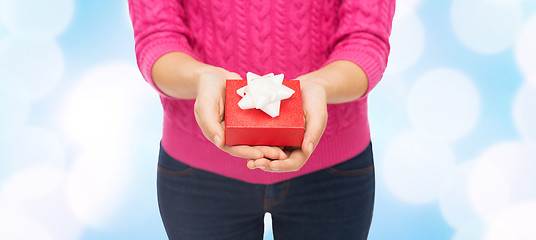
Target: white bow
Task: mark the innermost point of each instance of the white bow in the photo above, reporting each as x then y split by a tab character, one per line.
264	93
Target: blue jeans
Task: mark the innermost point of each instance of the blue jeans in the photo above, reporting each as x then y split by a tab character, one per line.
334	203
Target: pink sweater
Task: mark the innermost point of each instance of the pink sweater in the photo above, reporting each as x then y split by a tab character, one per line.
293	37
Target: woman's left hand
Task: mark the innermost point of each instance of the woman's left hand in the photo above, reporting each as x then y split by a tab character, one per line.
315	112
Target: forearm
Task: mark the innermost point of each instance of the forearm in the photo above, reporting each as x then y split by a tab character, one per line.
177	74
343	81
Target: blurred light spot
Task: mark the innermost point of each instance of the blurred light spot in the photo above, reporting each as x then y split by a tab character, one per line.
454	200
99	116
389	98
35	19
104	103
525	50
97	183
29	229
524	113
502	176
470	231
404	7
16	221
444	104
486	26
516	222
415	166
407	42
14	110
34	182
37	194
13	216
31	69
31	146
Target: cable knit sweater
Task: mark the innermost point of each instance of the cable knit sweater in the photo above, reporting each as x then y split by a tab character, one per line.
293	37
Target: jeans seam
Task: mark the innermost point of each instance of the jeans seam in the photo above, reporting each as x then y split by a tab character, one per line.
268	201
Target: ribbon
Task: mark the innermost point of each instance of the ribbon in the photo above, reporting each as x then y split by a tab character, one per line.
264	93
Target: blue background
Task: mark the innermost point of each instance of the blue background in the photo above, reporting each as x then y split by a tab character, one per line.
99	36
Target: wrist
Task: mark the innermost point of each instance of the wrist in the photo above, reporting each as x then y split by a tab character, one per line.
209	76
315	80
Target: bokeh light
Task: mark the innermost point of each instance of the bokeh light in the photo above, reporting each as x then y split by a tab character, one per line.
407	42
501	177
98	117
32	68
470	231
35	19
486	26
103	103
415	166
516	222
524	113
97	185
454	201
444	104
525	50
452	124
404	7
30	146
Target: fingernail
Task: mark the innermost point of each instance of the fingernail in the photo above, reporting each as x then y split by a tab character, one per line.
217	140
262	167
310	148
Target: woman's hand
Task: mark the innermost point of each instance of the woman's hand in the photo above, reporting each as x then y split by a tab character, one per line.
209	114
315	112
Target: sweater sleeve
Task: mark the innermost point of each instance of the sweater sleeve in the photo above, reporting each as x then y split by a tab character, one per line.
362	36
159	28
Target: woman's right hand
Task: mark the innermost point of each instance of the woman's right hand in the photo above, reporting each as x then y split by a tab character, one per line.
209	113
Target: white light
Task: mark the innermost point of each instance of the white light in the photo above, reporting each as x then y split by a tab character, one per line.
13	216
104	103
516	222
407	42
391	96
444	104
34	182
470	231
454	201
31	146
524	113
404	7
525	50
14	110
502	176
56	216
486	26
31	69
18	196
97	183
35	19
99	115
414	167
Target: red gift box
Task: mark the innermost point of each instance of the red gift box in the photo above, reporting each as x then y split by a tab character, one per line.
255	127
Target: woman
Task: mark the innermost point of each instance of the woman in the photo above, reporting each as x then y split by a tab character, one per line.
338	49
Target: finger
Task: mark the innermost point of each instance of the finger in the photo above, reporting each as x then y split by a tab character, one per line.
315	123
233	75
271	152
208	118
262	163
293	163
243	151
251	164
